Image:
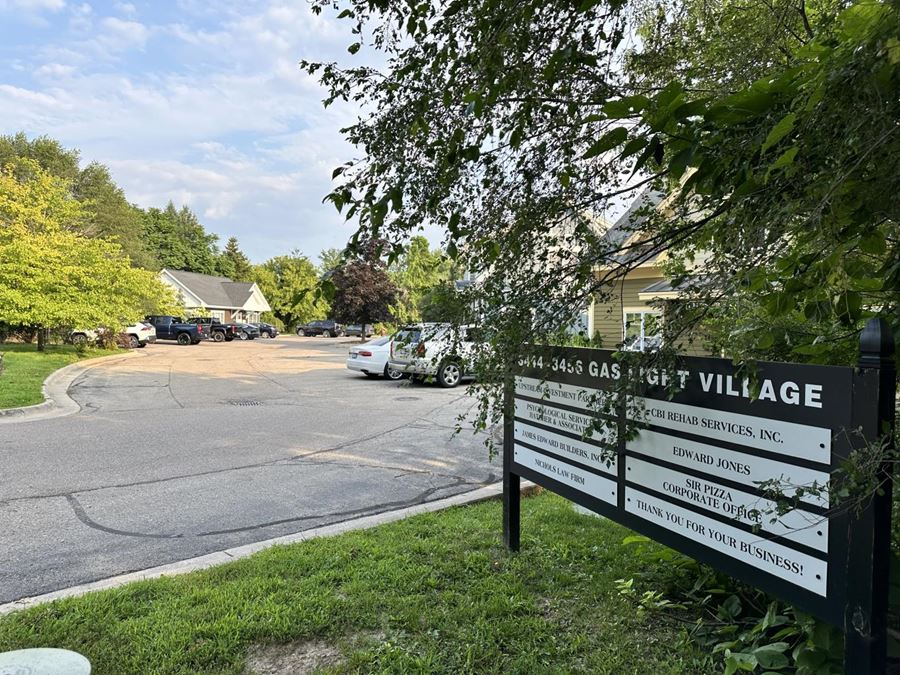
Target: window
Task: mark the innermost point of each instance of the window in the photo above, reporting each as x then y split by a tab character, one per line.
217	314
641	330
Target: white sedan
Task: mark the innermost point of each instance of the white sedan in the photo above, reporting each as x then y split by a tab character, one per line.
372	357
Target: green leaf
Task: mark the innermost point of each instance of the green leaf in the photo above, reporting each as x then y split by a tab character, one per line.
771	656
355	47
786	158
606	142
453	225
681	161
628	106
690	109
633	146
766	341
779	131
738	661
669	93
779	304
848	304
635	539
873	242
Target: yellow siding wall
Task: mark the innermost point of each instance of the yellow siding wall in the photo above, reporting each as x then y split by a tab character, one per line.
608	313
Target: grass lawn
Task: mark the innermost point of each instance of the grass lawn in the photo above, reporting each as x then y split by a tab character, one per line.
436	593
25	369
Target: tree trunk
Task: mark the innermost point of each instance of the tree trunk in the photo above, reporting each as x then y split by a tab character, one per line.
41	339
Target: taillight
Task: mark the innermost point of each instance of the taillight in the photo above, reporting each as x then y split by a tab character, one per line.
364	353
420	350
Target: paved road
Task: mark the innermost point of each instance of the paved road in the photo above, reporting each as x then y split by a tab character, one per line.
182	451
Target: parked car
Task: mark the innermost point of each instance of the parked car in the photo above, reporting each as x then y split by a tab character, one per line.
139	334
266	330
437	350
247	331
356	330
174	328
372	357
217	331
325	328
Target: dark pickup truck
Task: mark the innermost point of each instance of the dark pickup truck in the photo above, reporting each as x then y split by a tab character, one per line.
173	328
215	329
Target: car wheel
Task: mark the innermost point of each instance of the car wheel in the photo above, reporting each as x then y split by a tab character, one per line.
326	333
449	374
218	336
133	342
301	332
184	338
392	374
243	335
264	336
79	339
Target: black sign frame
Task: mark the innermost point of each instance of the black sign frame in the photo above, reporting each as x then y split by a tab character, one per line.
857	406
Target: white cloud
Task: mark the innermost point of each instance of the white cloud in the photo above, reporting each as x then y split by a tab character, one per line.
33	5
119	34
54	70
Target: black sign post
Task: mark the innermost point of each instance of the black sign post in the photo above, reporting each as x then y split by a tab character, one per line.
693	476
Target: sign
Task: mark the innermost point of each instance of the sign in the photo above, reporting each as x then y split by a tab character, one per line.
691	457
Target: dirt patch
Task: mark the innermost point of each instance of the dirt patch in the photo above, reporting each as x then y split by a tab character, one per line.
303	657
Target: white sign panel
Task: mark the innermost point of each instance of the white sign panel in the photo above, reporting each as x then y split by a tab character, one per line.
785	438
557	392
800	526
567	448
600	487
730	464
564	420
785	563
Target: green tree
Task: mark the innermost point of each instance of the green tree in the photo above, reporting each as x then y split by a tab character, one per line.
717	48
290	284
417	271
240	266
51	275
330	259
107	213
110	216
179	241
47	152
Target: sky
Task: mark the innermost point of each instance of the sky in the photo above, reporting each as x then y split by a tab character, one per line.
198	102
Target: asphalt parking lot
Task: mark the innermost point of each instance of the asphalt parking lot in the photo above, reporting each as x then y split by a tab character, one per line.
185	450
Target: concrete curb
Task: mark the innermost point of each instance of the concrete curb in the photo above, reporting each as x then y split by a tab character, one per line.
493	491
57	402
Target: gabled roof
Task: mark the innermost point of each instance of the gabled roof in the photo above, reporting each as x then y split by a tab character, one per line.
214	291
636	214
